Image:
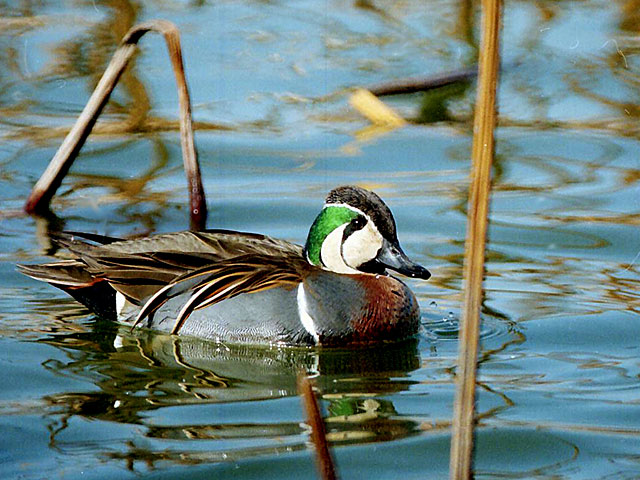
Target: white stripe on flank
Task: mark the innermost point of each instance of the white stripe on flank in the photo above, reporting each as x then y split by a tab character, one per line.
121	301
305	319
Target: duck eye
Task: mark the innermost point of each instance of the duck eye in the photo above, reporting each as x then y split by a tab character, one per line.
354	225
358	222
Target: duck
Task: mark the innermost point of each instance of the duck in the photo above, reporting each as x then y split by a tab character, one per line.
249	288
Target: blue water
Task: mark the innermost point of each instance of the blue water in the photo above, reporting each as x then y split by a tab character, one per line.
559	378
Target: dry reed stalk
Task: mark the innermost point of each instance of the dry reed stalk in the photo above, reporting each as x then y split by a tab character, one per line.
477	217
45	188
318	434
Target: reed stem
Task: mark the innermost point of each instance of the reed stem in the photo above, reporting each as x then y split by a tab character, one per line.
45	188
477	219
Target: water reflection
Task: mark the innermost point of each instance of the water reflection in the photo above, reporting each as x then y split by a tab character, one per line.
142	372
195	401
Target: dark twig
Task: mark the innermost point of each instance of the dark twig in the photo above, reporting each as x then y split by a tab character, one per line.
482	156
421	84
318	434
45	188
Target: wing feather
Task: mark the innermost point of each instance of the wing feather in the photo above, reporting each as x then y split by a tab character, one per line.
206	267
223	280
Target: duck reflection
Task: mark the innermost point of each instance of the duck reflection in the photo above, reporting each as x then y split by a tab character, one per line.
140	372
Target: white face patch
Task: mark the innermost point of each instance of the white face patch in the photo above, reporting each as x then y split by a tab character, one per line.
362	245
331	252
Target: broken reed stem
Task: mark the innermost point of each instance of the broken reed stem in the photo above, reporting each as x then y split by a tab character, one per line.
477	217
197	200
318	434
51	179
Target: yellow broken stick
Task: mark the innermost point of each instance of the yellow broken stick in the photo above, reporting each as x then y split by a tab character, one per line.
383	118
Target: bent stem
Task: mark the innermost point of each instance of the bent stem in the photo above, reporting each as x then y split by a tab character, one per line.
477	218
44	190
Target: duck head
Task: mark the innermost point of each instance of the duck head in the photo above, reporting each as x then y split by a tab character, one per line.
355	233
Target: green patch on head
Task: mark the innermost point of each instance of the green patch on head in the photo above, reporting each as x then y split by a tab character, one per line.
330	218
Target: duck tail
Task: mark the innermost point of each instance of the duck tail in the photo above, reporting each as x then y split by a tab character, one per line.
72	277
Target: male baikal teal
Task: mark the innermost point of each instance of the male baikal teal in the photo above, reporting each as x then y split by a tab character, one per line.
249	288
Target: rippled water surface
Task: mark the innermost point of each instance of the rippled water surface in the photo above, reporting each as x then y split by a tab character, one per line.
559	385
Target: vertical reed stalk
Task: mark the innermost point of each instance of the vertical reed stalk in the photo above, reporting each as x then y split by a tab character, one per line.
46	187
482	155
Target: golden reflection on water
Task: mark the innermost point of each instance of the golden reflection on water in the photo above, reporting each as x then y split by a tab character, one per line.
86	56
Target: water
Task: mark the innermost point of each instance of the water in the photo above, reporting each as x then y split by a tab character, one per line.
559	373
